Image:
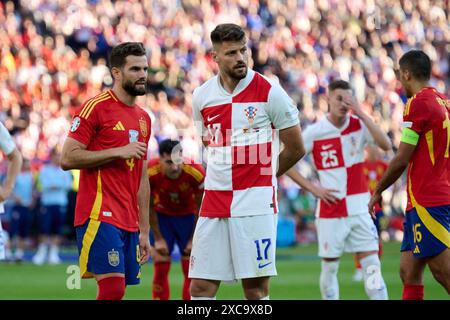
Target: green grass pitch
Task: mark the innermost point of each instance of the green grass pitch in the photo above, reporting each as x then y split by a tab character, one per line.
298	279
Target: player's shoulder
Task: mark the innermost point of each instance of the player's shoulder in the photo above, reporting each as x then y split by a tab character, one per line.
95	103
316	128
206	86
195	171
153	167
201	94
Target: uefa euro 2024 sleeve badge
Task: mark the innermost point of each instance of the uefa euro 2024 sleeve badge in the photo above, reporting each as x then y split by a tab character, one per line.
133	135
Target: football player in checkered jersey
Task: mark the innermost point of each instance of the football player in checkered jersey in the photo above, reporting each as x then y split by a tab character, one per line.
242	116
343	222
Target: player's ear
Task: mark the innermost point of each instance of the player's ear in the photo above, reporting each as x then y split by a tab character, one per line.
116	73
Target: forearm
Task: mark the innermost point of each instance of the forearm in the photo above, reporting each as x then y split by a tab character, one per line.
14	166
143	202
381	139
300	180
81	159
393	172
287	159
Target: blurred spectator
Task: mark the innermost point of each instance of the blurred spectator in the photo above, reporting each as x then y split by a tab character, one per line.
54	56
21	202
54	185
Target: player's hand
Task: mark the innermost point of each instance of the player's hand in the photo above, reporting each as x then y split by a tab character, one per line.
144	248
4	193
376	198
187	250
135	150
161	247
353	104
326	195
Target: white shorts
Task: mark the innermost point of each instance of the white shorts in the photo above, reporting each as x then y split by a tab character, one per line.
228	249
350	234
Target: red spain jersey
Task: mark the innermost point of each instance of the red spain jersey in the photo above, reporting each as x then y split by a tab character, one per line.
175	197
373	171
108	193
427	114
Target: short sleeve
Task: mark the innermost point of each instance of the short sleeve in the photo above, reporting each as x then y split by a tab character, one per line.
83	128
282	110
7	144
197	116
308	139
413	115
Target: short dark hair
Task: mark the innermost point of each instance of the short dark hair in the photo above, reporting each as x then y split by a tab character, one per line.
418	63
338	84
227	32
120	52
167	146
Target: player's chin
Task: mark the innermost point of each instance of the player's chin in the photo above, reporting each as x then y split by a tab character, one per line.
240	73
140	89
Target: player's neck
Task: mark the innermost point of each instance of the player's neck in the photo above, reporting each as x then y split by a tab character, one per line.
416	87
228	83
338	122
123	96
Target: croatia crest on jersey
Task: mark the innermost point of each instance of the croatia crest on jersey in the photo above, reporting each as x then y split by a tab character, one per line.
250	113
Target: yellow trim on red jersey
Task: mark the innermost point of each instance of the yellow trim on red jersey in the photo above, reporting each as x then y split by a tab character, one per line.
95	212
408	105
429	138
94	104
193	172
112	95
88	239
88	104
91	230
436	229
154	170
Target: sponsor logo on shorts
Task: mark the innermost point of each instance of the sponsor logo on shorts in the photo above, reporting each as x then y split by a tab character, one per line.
113	258
192	262
263	265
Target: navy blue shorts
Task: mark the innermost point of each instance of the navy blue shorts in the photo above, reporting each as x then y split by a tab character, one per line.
104	248
177	229
51	220
426	231
20	221
378	216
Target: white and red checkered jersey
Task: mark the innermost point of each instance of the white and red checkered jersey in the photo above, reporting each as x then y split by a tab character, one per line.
338	155
243	147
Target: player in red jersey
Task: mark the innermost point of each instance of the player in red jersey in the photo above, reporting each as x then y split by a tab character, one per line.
108	142
374	168
177	190
425	150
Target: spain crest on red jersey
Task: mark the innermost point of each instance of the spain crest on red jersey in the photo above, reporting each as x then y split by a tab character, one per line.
143	127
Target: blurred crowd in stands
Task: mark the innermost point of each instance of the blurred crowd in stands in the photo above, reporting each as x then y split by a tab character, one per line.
54	57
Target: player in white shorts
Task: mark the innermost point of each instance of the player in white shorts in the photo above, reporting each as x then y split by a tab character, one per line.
343	222
236	112
14	157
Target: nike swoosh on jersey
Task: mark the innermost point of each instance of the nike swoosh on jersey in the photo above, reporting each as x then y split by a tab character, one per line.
326	146
212	118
